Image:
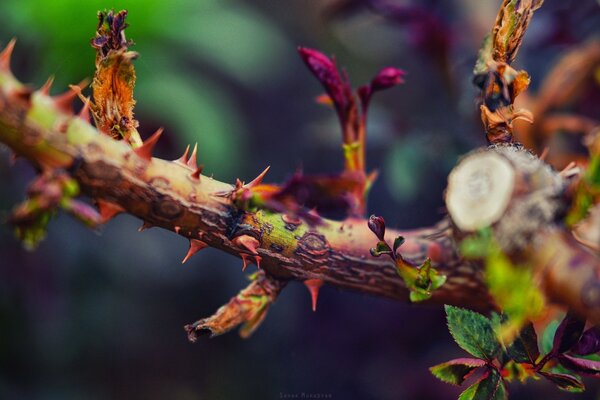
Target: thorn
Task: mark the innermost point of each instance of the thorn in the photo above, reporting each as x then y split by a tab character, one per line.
259	178
195	246
145	225
45	89
247	242
108	210
545	153
196	174
145	150
177	229
238	184
191	162
257	260
570	170
6	55
13	158
184	157
313	212
84	114
313	286
64	102
244	260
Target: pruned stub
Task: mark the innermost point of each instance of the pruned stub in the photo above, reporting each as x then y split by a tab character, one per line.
507	188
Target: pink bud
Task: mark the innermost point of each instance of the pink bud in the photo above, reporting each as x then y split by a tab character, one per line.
387	78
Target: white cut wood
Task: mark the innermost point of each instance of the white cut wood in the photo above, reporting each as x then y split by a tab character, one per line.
479	190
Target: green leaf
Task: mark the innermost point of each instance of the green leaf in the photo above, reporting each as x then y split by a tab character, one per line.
477	245
473	332
548	336
399	241
456	371
382	248
489	387
514	290
419	295
567	382
524	349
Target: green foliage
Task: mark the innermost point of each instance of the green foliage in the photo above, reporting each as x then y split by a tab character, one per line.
512	286
473	332
456	371
524	348
489	387
498	362
565	382
420	280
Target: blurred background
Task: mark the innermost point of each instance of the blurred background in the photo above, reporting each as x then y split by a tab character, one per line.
100	315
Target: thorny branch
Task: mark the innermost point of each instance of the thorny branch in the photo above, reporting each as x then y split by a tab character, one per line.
266	224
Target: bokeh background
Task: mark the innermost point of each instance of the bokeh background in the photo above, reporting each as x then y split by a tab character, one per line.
99	315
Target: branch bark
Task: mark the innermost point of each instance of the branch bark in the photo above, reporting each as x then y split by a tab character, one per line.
165	194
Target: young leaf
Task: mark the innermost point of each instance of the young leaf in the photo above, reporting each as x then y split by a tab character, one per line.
589	342
473	332
456	371
568	333
399	241
524	349
570	383
382	248
580	365
548	336
489	387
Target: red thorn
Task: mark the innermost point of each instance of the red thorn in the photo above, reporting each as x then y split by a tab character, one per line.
6	54
108	210
184	157
145	225
145	150
196	174
64	102
259	178
313	212
545	153
247	242
84	114
191	162
313	286
238	184
45	89
13	158
244	261
257	260
195	246
177	229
